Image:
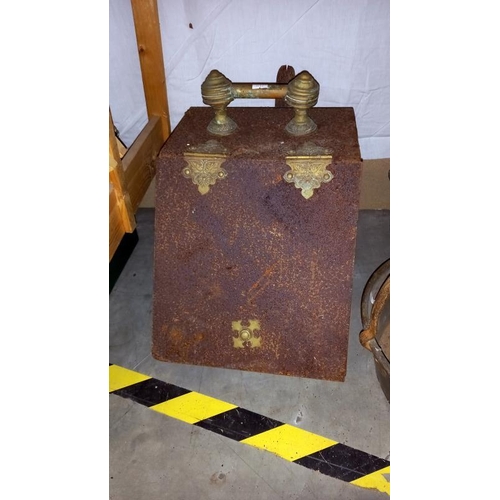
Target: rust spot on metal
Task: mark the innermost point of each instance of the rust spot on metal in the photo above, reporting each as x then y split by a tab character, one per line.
264	276
175	334
260	285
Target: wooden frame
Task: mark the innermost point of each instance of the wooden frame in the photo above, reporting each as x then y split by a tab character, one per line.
131	174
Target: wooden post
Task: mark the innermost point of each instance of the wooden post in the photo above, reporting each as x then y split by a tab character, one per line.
285	74
117	179
147	30
114	151
139	162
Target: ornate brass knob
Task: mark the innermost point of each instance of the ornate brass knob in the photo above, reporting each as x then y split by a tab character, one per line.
301	93
216	91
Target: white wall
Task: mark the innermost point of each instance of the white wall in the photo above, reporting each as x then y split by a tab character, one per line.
344	44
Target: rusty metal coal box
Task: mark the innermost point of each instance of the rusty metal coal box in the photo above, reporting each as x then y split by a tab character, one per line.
255	235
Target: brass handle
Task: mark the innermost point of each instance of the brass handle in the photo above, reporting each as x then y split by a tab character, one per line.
301	93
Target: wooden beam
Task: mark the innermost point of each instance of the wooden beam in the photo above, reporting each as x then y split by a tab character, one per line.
138	162
147	30
116	178
115	162
116	230
119	184
139	184
113	142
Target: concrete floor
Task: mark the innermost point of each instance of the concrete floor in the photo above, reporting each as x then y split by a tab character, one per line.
153	456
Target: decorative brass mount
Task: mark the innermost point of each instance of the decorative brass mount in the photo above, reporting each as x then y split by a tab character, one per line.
246	334
301	93
308	168
204	170
204	164
308	172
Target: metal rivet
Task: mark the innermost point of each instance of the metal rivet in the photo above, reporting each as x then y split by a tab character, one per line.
245	334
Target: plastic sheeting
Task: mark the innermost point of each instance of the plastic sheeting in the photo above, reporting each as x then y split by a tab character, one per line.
344	44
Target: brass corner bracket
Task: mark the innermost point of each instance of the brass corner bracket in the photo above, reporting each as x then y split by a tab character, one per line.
308	172
204	164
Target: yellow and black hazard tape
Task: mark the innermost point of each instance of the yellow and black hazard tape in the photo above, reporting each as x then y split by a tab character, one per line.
291	443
